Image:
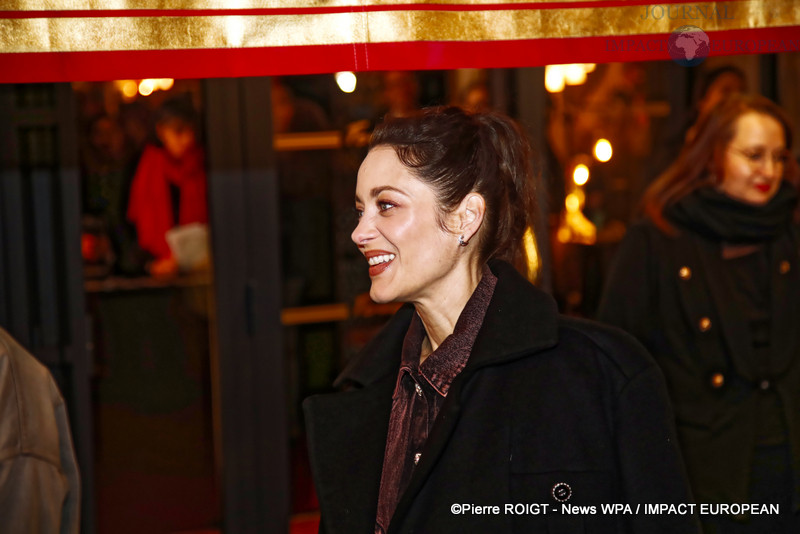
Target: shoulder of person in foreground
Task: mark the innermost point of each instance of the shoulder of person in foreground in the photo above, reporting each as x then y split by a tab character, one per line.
612	345
650	462
39	481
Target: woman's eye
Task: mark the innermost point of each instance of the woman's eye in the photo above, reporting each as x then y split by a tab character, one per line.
358	212
754	156
385	206
781	158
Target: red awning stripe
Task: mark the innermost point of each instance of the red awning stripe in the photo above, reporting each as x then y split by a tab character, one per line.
272	37
88	66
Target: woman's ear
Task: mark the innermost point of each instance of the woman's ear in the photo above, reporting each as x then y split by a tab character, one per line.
470	215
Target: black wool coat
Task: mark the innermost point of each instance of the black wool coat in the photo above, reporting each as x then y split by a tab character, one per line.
671	293
548	411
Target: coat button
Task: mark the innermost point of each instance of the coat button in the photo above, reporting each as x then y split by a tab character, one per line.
717	380
417	457
704	324
418	388
685	273
562	492
784	266
764	384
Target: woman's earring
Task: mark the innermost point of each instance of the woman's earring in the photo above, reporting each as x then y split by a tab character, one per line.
714	178
461	241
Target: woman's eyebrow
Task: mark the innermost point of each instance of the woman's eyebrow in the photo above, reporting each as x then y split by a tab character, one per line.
763	148
375	191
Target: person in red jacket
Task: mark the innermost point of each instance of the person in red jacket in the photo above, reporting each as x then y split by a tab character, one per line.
169	187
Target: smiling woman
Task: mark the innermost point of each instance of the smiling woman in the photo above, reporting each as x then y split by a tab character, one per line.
708	282
410	255
477	391
753	164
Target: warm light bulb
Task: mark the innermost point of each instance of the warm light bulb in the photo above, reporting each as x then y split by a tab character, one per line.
146	87
575	74
581	174
531	253
572	203
165	84
602	150
346	81
554	78
129	88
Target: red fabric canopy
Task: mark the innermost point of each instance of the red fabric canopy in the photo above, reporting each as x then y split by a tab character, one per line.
202	38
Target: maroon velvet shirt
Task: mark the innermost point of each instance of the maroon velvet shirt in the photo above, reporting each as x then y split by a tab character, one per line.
420	392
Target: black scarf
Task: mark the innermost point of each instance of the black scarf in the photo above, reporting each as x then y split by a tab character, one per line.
717	216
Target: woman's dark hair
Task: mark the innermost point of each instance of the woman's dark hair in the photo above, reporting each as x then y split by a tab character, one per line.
456	153
700	161
178	108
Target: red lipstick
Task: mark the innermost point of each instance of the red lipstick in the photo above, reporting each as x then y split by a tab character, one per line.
764	188
375	270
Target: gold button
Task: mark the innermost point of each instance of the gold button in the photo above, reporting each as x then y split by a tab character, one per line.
685	273
717	380
784	267
705	324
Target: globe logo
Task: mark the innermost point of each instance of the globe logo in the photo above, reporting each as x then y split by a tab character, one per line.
688	46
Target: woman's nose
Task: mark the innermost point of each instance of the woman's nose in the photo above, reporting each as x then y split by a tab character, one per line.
770	167
364	230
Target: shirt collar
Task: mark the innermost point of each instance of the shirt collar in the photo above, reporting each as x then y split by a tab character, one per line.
520	319
448	360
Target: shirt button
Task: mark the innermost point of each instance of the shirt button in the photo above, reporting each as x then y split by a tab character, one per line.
562	492
417	457
784	266
717	380
704	324
685	273
418	388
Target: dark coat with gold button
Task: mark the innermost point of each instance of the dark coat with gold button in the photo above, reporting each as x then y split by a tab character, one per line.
671	294
547	411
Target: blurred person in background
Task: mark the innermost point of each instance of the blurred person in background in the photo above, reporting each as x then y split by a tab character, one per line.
39	481
399	97
169	187
304	178
475	97
709	282
108	163
715	86
400	93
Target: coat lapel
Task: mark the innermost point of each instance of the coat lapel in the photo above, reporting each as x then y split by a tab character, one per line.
520	319
347	432
695	300
733	323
